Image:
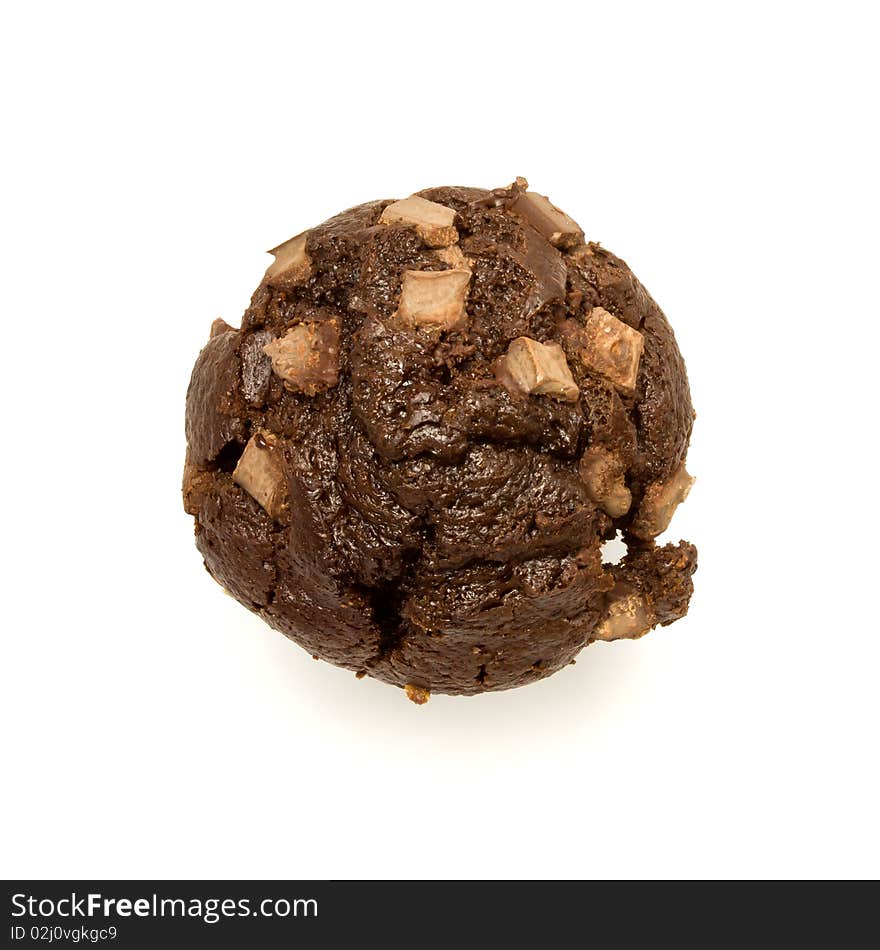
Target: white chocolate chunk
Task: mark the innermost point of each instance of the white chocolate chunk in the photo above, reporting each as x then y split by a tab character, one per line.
612	349
539	369
260	472
659	504
433	222
628	617
603	475
434	298
292	264
548	220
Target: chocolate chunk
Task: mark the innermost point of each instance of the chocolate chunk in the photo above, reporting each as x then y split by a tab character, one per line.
546	267
434	298
628	617
307	357
612	349
292	265
256	367
555	225
604	475
659	503
260	472
433	222
454	257
537	368
501	197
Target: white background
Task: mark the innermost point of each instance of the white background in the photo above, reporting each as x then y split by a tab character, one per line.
156	728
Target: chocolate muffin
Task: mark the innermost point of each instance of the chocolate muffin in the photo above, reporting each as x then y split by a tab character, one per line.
434	414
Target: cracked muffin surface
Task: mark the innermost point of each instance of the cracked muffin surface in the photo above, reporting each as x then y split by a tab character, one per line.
435	413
